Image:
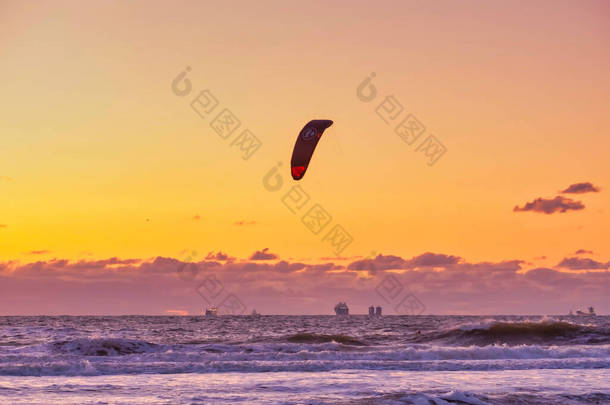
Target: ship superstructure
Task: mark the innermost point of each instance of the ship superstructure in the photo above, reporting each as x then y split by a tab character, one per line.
375	311
341	309
591	312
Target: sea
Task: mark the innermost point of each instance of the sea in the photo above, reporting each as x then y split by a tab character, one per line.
422	360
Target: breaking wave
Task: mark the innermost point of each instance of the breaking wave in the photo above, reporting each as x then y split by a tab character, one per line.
103	347
304	353
545	331
320	338
303	344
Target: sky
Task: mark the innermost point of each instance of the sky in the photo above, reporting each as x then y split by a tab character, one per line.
114	175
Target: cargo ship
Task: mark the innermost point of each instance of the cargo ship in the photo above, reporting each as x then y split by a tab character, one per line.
341	309
211	312
582	313
374	311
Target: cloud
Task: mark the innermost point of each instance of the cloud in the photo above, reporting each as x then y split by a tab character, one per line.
5	178
380	262
583	252
581	188
429	259
243	223
218	256
263	255
582	263
37	252
445	283
550	206
3	226
390	262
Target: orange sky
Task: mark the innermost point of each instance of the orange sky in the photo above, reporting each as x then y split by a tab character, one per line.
99	158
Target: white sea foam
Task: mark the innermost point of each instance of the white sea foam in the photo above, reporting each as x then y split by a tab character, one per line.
488	323
115	356
316	360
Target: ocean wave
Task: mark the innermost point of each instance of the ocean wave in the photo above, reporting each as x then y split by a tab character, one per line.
321	338
116	356
103	347
456	397
307	348
544	331
105	366
309	344
451	398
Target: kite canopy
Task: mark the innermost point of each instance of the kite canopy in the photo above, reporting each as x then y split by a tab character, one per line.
305	145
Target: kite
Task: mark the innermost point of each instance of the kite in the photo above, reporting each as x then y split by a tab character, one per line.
305	145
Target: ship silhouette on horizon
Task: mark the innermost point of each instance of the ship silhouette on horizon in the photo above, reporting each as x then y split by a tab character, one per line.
341	309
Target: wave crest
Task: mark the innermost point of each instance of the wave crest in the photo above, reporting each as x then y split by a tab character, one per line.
103	347
545	331
321	338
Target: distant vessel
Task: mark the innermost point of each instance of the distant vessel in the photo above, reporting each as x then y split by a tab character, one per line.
211	312
590	313
341	309
374	311
255	314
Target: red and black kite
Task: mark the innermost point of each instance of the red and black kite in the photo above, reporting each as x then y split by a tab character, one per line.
305	145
